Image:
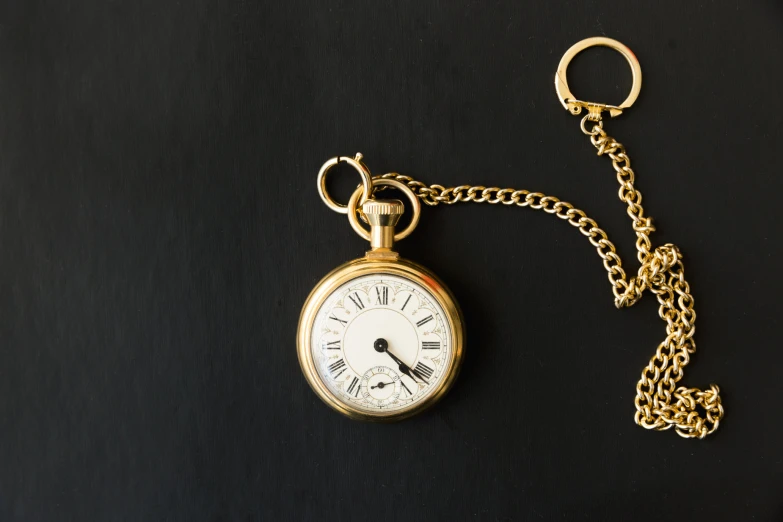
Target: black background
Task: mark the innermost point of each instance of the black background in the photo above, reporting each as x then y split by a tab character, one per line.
161	228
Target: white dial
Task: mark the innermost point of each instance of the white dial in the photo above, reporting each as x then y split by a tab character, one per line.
380	342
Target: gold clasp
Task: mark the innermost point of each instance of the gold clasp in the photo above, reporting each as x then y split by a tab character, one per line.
575	106
355	162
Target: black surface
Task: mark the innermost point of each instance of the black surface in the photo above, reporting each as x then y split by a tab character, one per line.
160	231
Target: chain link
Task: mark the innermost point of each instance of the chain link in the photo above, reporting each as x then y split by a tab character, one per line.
660	404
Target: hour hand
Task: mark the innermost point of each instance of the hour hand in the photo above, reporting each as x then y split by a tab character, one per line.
381	345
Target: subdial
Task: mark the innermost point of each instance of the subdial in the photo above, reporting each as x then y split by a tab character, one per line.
380	386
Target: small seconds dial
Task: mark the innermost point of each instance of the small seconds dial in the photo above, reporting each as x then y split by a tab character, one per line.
380	342
381	386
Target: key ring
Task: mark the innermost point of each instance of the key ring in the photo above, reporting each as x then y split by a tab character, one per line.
359	194
361	168
574	106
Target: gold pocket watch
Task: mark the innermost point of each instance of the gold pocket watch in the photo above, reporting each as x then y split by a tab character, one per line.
382	338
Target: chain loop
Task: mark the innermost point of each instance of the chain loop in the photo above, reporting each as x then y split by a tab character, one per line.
660	404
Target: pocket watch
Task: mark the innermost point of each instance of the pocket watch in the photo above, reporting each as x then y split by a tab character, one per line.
380	337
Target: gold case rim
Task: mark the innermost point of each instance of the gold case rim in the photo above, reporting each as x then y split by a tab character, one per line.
358	268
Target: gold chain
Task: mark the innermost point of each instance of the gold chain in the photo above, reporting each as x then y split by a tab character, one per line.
660	405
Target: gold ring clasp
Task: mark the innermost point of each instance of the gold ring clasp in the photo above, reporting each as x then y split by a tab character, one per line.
361	168
360	195
575	106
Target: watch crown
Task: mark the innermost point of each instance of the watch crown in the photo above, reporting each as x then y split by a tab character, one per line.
382	215
383	212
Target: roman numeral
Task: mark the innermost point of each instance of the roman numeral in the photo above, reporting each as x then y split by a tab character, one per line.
336	368
405	303
338	320
383	295
430	345
353	388
406	388
334	345
357	301
424	370
424	321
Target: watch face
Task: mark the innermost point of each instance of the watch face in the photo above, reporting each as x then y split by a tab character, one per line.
381	344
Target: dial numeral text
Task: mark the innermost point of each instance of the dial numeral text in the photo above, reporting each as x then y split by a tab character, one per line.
405	303
333	318
430	345
424	321
424	370
357	301
332	345
336	368
354	388
383	295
